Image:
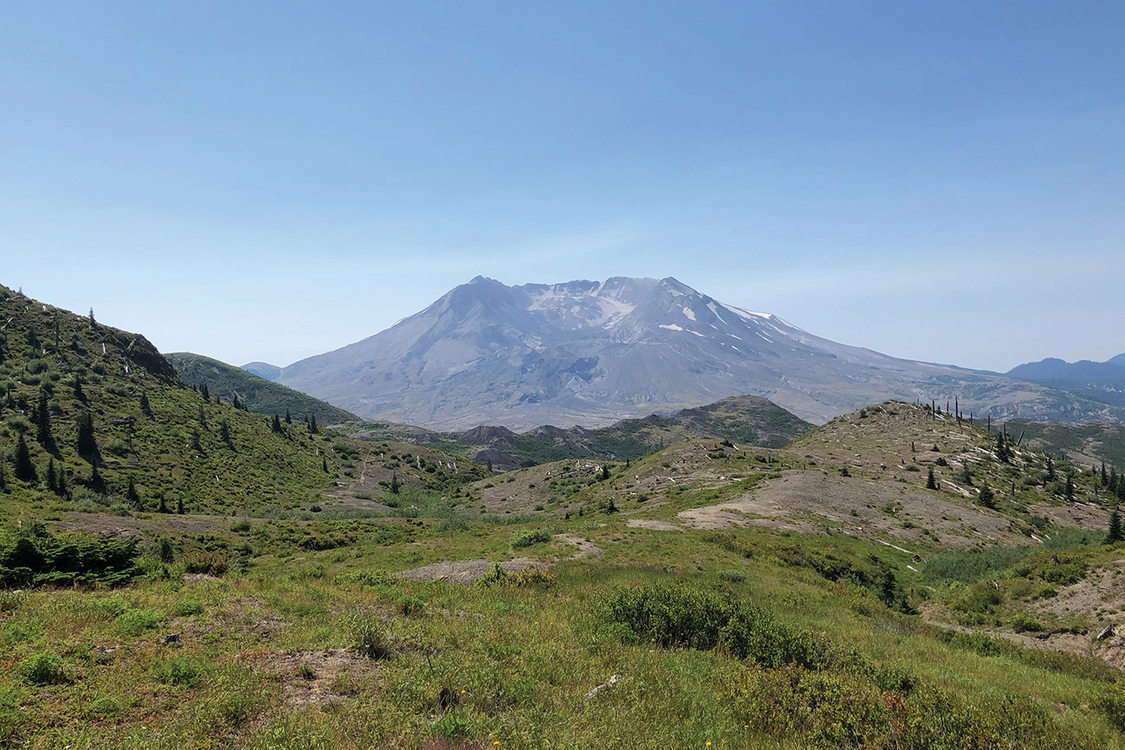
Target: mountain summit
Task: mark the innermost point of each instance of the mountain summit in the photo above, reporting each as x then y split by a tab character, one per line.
590	353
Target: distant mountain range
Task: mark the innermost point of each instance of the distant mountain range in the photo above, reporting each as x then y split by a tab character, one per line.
745	420
590	353
1098	382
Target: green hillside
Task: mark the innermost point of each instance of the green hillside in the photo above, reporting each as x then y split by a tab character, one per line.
253	393
1087	442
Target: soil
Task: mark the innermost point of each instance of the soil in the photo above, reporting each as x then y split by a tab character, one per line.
328	676
653	524
814	502
467	571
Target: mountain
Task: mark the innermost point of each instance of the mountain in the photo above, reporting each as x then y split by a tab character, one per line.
255	393
263	370
590	353
1097	382
1081	371
749	420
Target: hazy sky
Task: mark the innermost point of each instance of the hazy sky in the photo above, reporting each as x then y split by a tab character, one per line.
270	180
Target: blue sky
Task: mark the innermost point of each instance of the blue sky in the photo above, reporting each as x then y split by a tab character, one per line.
270	180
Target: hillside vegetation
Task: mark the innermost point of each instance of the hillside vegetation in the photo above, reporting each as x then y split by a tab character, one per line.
252	392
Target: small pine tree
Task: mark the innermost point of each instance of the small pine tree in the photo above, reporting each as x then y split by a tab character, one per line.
43	419
931	483
224	433
1114	535
235	402
202	417
195	444
967	475
1069	490
604	472
395	485
146	408
312	425
78	392
52	477
1051	476
179	506
86	444
324	464
275	425
288	419
163	504
167	554
96	483
25	470
93	321
986	497
204	391
133	496
61	486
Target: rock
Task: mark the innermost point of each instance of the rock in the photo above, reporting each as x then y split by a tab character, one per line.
604	686
170	638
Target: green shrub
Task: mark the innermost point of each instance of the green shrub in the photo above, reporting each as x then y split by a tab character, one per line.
732	576
42	668
181	670
109	608
368	635
188	607
408	605
528	537
133	622
103	707
673	616
210	563
1022	623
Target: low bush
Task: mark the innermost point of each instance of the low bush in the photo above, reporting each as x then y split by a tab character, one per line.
181	670
528	537
42	668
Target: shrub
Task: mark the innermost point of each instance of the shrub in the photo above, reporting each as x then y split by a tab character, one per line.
1022	623
181	670
408	605
188	607
732	576
42	668
133	622
211	563
528	537
368	635
695	618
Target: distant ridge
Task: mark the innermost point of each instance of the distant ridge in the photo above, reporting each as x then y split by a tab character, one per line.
590	353
255	393
263	370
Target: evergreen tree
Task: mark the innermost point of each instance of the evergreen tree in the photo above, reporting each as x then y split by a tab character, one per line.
61	486
1003	451
93	322
1069	488
195	444
87	445
132	496
275	425
204	391
312	425
78	393
1051	476
604	472
202	417
167	554
163	504
967	475
43	419
224	433
96	483
236	403
25	470
395	483
986	497
52	478
146	408
1104	476
288	419
931	483
1114	535
3	477
324	464
179	506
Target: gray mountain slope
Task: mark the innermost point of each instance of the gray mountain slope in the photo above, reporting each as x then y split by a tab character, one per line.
591	353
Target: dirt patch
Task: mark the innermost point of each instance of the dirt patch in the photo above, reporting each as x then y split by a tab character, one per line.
467	571
653	525
812	501
586	548
317	677
1077	515
1100	589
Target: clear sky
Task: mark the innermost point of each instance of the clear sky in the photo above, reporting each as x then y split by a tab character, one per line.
270	180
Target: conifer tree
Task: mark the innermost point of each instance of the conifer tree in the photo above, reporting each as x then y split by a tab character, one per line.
931	483
78	393
986	497
394	483
1069	488
25	470
224	433
3	477
1051	476
312	425
204	391
146	408
61	486
202	416
96	483
1114	534
87	445
43	418
179	506
52	478
236	403
132	496
324	464
163	504
275	425
195	444
288	419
